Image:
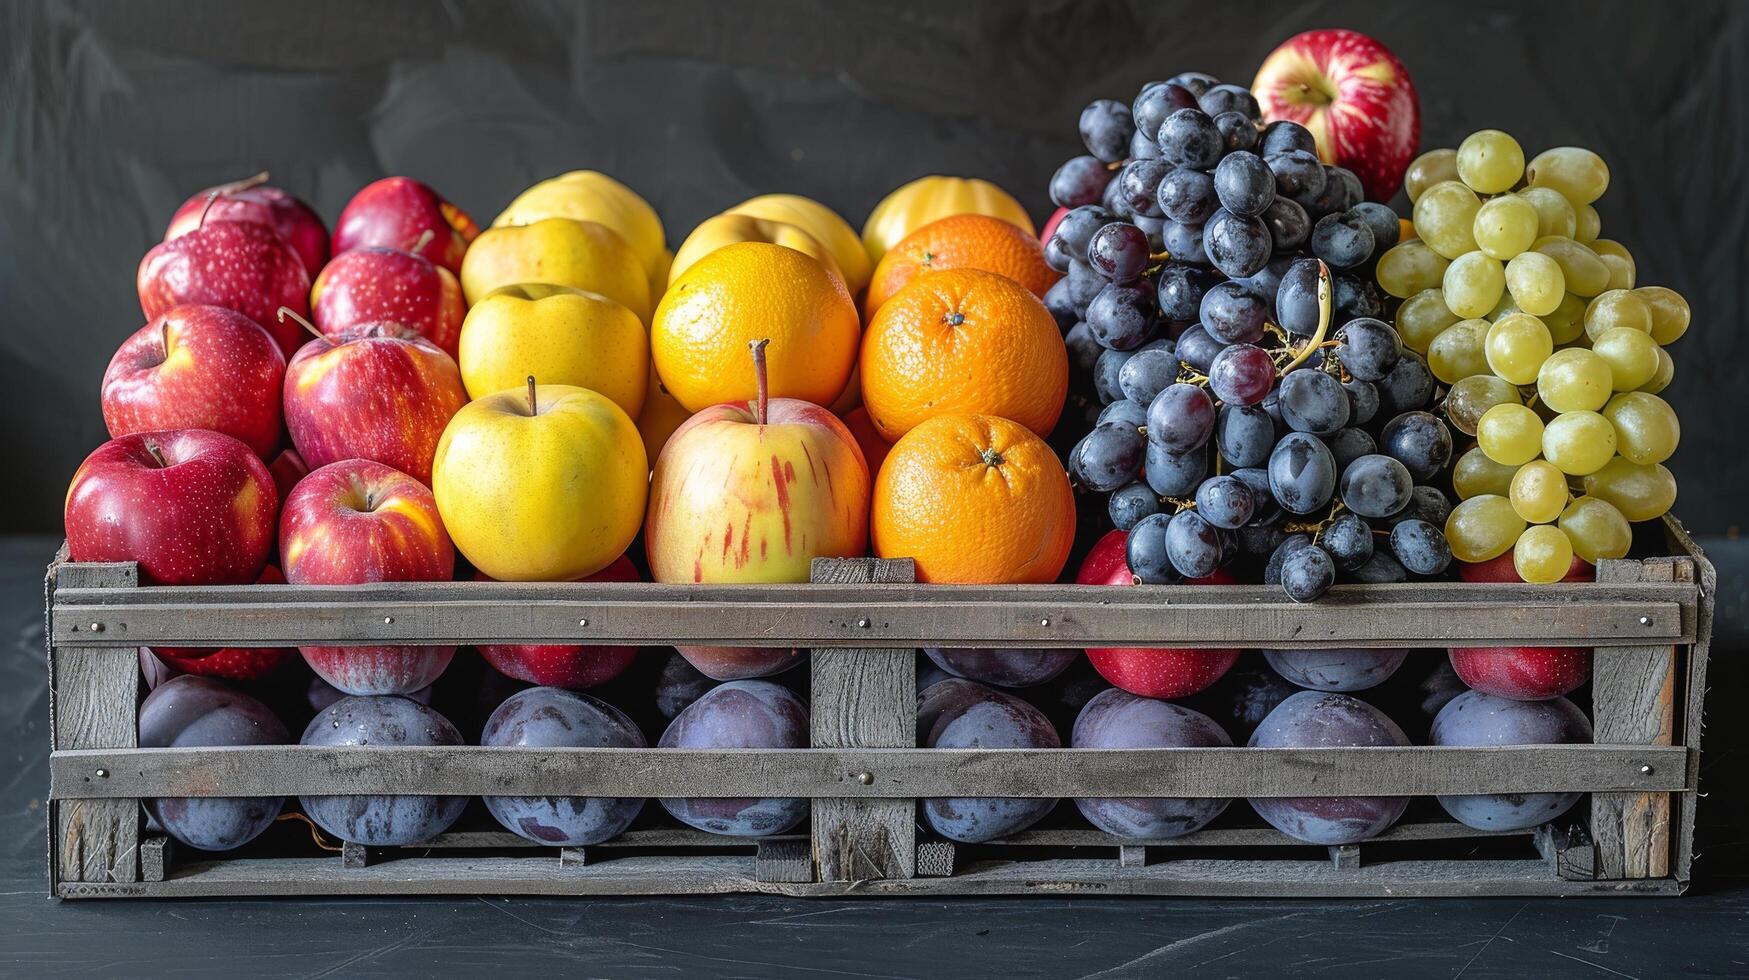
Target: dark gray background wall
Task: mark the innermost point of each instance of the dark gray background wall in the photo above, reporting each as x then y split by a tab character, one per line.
111	114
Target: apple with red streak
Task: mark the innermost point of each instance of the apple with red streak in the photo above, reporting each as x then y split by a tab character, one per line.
380	284
231	663
565	665
1521	673
396	212
190	506
1150	672
380	393
1355	97
197	367
240	265
360	521
253	200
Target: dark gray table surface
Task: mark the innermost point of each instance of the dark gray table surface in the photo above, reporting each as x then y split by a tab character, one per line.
1705	933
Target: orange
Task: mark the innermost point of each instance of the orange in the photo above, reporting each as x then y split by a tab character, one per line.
963	342
874	448
962	241
974	499
754	291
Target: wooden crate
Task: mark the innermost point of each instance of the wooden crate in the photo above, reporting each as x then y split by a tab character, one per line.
1649	621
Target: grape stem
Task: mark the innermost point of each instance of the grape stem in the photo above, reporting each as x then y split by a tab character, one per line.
1324	315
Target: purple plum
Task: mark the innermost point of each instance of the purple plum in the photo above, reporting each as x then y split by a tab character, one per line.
1337	669
679	684
1117	719
740	715
1244	696
962	714
549	717
1477	719
378	819
1003	668
199	711
1316	719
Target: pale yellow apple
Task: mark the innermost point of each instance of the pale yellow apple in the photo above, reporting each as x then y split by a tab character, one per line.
546	495
563	252
727	229
821	222
562	335
586	195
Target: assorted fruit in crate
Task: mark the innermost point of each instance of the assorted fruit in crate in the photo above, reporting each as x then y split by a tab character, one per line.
382	820
545	717
1116	719
1150	672
1483	720
739	715
962	714
1553	353
563	665
1311	719
189	712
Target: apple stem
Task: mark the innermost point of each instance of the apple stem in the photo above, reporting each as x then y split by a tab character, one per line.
242	185
423	240
164	337
286	311
210	198
759	377
156	453
533	410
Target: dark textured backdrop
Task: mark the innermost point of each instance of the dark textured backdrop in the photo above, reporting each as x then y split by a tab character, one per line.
110	114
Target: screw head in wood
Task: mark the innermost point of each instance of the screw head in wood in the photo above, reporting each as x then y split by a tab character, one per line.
862	623
96	627
1045	622
865	778
1645	620
583	622
388	620
1645	770
103	774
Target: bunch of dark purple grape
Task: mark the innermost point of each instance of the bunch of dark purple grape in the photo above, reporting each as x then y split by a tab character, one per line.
1218	300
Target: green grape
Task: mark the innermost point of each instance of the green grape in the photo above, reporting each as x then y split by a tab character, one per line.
1641	493
1421	318
1579	174
1473	284
1621	271
1590	224
1475	474
1596	528
1542	555
1510	434
1505	306
1574	380
1490	161
1669	312
1567	323
1646	427
1584	272
1411	267
1538	491
1579	443
1482	527
1432	167
1632	356
1470	397
1457	352
1554	213
1516	347
1505	226
1663	376
1617	308
1445	218
1535	282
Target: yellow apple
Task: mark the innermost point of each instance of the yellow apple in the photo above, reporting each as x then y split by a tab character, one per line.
727	229
561	251
821	222
541	483
586	195
567	336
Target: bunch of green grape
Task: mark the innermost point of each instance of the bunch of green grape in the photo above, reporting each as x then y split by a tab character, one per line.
1553	357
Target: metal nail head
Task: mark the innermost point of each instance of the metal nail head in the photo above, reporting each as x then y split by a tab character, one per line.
862	623
1044	622
1645	770
388	620
865	778
96	627
582	622
1645	620
103	774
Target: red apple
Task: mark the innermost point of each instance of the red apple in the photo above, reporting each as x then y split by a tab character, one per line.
1150	672
1523	673
360	521
287	469
253	200
1501	569
197	367
373	395
559	665
231	663
240	265
1355	97
373	284
397	212
192	507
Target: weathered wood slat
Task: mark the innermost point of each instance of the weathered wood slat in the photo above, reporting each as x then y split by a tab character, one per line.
1633	691
1699	571
863	698
895	773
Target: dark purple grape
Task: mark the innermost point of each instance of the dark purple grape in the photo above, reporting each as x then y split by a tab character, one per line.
1179	291
1348	538
1242	374
1197	349
1284	135
1296	303
1155	102
1483	720
744	714
1239	246
1283	550
1264	509
1229	98
1244	184
1190	138
1383	221
1266	282
1018	667
1060	301
1084	350
1192	545
1109	456
962	714
1121	315
1314	719
1239	131
1084	284
1119	251
678	685
1106	127
1187	196
1381	569
1057	256
1079	181
1343	240
1353	192
1153	228
1172	474
189	711
1376	486
1420	547
1128	505
377	820
1105	375
1116	719
1307	574
1143	147
1078	225
1152	370
1125	411
1244	435
1349	444
1138	183
1197	82
1289	225
1312	401
1418	440
1363	401
1430	504
1225	502
1181	418
1298	174
1331	198
1184	242
1302	473
547	717
1145	550
1355	298
1336	668
1233	314
1259	540
1408	386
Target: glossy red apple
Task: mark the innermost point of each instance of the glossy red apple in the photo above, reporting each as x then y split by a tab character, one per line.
191	506
252	200
378	284
1149	672
241	265
231	663
1521	673
396	212
359	521
372	395
197	367
560	665
1355	97
1501	569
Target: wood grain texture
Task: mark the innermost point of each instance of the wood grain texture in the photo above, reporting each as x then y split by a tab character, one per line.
863	698
783	859
1633	692
94	700
1699	570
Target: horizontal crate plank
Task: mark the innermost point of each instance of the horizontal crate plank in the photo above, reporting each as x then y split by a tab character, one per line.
877	615
892	773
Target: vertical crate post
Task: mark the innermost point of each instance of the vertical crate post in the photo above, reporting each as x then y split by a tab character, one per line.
1633	693
862	698
93	699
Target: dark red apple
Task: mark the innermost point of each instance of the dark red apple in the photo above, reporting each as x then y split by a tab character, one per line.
252	200
372	395
559	665
377	284
287	469
396	212
359	521
198	367
1150	672
241	265
1501	569
191	506
1521	673
231	663
1355	97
